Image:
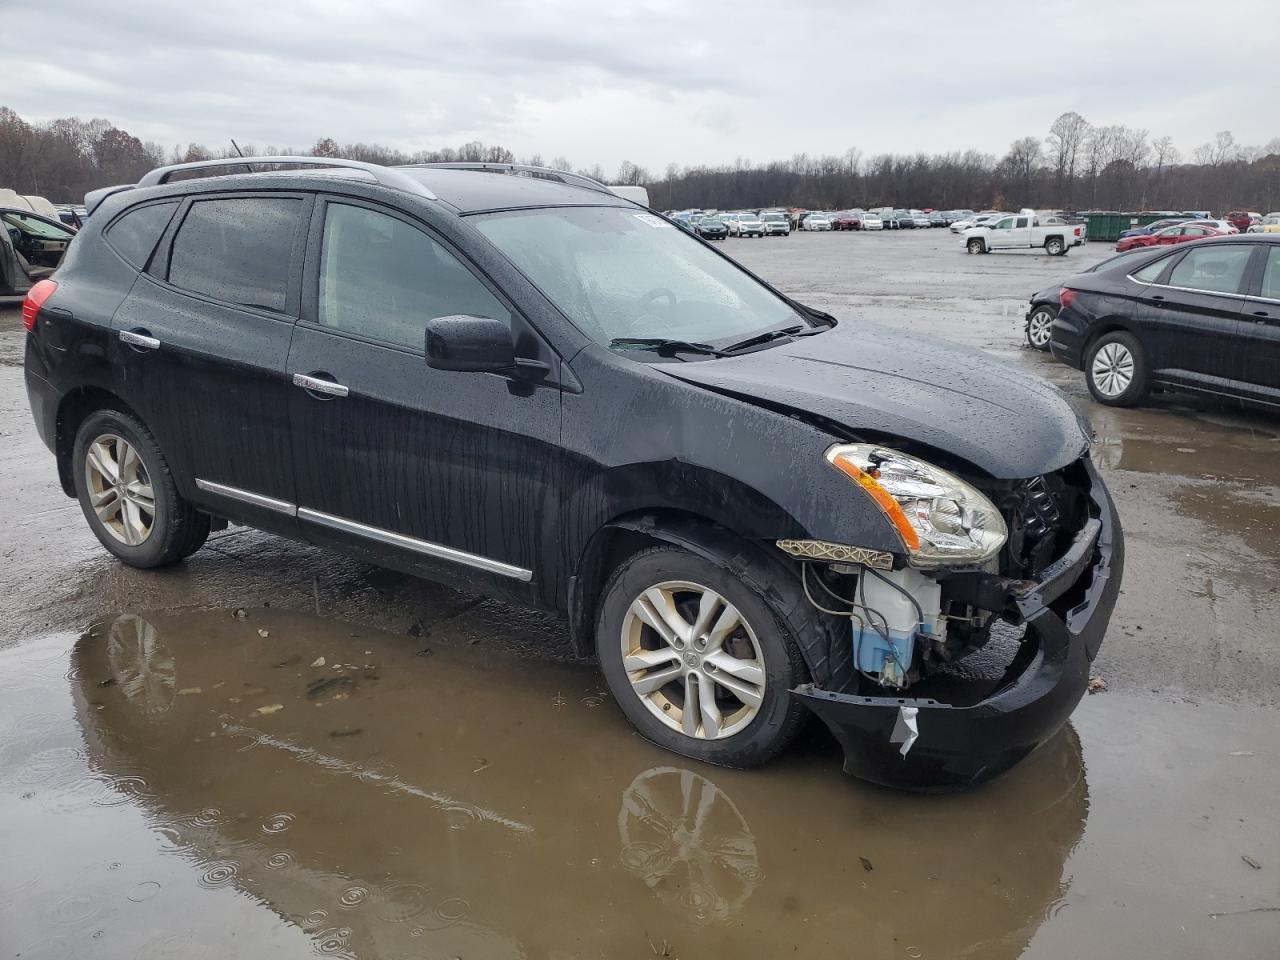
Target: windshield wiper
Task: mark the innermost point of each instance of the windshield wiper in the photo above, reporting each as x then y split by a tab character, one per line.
765	337
665	347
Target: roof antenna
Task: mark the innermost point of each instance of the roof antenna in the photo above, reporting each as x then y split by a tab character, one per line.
240	153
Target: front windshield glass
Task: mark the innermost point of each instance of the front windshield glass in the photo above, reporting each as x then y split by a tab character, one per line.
773	217
618	273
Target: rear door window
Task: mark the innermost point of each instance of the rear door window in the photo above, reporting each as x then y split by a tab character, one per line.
135	234
383	279
1215	268
1271	274
237	249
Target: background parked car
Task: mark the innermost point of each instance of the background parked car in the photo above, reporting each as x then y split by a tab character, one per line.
847	221
1178	233
1226	226
871	221
31	248
920	220
1203	317
1154	227
1242	220
815	222
775	224
711	227
1268	224
746	225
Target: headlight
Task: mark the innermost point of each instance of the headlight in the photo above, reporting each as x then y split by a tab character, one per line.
942	520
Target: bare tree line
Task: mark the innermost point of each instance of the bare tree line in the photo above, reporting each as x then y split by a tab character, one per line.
1077	165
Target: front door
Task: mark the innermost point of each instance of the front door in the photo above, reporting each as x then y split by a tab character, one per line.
1000	236
450	472
1192	318
200	346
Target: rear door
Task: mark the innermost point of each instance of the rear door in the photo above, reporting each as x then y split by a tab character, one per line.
1192	316
1021	234
450	472
1260	326
201	344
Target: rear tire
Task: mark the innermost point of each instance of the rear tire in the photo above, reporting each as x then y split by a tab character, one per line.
1116	370
1054	247
141	519
1039	327
735	731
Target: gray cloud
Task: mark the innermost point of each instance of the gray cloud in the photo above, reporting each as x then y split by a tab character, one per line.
655	82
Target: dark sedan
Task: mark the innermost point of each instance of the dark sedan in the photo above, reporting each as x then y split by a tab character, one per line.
712	228
1202	317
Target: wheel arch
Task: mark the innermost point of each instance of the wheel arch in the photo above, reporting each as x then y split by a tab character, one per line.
764	569
73	408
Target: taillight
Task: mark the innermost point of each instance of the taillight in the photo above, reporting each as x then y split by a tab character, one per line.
1077	231
35	299
1066	297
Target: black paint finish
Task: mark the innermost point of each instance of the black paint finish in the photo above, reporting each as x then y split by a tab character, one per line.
546	467
1220	342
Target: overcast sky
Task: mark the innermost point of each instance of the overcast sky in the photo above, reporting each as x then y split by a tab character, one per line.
689	81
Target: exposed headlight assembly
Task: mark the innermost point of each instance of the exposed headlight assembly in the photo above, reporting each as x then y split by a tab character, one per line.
942	520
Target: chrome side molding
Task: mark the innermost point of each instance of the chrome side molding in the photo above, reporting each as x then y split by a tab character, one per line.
247	496
425	547
389	537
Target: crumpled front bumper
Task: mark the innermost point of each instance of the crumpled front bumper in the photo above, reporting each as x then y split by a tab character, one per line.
957	746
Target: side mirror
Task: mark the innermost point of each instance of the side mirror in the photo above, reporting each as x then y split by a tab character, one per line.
474	344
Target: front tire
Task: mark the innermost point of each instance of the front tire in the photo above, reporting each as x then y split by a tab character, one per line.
128	495
976	246
698	660
1116	370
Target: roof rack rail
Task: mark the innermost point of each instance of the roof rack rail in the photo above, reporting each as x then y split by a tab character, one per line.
525	170
387	176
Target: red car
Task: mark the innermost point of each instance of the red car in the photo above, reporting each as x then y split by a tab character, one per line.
1175	234
846	221
1240	219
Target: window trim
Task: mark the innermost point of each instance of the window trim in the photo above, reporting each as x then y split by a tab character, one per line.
310	306
161	257
159	242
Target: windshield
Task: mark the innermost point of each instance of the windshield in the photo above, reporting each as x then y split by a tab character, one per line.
773	217
35	228
617	273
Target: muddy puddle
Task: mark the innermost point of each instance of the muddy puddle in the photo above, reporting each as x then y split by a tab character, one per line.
276	785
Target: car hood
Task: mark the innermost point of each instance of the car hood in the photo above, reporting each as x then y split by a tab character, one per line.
872	379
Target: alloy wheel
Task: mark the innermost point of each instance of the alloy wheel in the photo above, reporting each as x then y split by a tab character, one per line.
693	660
1112	369
1039	328
120	489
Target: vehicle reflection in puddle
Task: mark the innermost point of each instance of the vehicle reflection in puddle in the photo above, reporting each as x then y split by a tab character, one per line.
313	787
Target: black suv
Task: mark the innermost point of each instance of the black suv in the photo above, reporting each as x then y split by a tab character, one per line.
515	381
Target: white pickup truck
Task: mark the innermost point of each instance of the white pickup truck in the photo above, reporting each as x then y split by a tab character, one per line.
1024	230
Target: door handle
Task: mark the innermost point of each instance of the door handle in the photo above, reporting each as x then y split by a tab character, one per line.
139	340
319	385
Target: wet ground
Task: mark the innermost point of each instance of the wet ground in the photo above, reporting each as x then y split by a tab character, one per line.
199	785
174	783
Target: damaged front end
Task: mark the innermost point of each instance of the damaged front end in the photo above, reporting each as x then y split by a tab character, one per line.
1054	575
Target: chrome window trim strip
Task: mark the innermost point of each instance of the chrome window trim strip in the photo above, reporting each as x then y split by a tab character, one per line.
247	496
424	547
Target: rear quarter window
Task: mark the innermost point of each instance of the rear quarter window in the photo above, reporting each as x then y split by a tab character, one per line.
134	236
237	249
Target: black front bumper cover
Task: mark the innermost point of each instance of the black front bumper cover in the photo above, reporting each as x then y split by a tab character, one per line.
957	746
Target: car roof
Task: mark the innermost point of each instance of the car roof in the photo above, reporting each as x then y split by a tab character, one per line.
466	188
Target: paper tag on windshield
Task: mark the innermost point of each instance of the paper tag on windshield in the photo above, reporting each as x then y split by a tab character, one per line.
649	219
